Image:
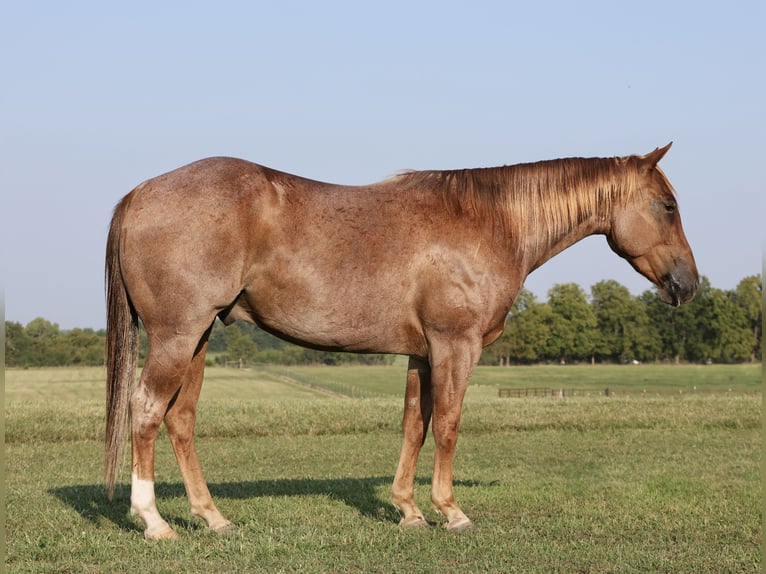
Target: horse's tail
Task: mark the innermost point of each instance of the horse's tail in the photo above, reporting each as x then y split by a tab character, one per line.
121	350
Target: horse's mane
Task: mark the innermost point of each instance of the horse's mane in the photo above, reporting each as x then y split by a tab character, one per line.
549	197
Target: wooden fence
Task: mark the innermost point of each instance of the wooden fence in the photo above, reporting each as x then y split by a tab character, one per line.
529	392
608	392
549	392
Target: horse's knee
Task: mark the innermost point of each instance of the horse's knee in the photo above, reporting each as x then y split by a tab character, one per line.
445	434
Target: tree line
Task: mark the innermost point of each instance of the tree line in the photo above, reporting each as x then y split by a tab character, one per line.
612	326
608	325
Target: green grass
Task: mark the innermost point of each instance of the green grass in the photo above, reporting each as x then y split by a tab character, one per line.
633	483
627	378
381	381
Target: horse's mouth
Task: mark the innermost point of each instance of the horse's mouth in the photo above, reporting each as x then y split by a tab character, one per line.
675	292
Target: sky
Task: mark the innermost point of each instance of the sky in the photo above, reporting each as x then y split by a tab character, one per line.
98	96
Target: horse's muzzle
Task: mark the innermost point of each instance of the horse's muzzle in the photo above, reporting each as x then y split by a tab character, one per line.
679	285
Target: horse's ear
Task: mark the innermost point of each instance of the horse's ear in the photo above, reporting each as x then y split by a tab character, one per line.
650	160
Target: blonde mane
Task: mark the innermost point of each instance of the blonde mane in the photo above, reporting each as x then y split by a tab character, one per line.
546	198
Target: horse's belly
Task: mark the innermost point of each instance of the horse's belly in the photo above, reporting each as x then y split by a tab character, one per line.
343	322
339	332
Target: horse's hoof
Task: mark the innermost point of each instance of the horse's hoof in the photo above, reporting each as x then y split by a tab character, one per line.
166	533
224	529
460	525
412	522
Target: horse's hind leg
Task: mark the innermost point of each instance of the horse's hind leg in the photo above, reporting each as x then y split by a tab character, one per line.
166	368
417	414
180	420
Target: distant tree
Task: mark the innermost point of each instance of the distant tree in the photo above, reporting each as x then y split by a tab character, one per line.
216	343
624	330
611	303
42	343
375	359
82	347
239	346
713	327
524	300
675	326
528	334
573	326
728	335
288	355
517	343
749	296
16	344
42	329
39	345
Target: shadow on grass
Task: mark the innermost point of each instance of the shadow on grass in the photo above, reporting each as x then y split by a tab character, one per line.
91	502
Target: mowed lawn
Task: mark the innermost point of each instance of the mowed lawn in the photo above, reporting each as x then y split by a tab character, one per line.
658	477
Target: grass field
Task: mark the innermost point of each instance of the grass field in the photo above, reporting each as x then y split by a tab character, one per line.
666	480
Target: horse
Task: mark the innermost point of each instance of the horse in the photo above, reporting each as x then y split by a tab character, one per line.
424	264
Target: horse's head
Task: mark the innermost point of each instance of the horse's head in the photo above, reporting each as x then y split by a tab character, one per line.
646	230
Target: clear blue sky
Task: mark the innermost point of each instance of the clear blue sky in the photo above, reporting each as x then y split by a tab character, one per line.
98	96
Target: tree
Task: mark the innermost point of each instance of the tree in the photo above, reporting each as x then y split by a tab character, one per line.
16	344
500	352
624	330
710	328
42	329
82	347
528	334
216	343
524	300
728	332
749	297
573	325
239	346
673	325
37	345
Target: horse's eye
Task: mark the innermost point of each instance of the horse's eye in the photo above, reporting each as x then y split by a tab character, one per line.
670	207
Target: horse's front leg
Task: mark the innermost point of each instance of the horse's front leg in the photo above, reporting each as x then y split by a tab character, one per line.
417	414
451	369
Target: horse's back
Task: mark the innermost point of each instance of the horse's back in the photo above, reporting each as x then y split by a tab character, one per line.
201	185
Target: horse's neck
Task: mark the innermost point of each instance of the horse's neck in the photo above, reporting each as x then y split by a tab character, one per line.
541	245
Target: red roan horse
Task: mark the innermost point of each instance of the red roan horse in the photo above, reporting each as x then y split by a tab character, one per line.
424	264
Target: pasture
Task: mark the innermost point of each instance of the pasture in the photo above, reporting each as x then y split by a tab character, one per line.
659	477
